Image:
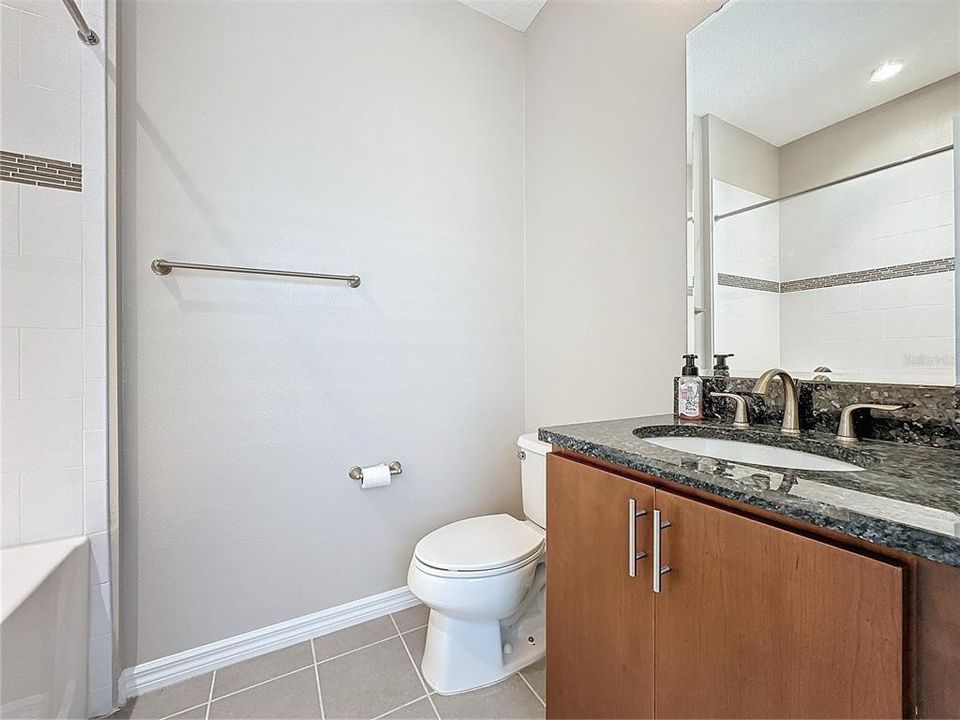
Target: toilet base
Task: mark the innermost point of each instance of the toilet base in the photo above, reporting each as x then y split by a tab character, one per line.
462	655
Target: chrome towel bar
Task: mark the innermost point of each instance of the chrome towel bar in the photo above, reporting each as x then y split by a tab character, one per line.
356	472
163	267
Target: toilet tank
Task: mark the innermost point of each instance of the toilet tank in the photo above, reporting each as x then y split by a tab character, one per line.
533	477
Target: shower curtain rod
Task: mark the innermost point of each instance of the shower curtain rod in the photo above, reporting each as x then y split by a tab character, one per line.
860	174
86	35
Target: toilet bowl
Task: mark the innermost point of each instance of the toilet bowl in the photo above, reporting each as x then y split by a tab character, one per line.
484	580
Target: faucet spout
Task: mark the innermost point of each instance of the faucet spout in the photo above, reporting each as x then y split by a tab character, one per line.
791	398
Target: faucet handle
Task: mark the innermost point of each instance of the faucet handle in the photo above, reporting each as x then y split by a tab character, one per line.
741	420
845	432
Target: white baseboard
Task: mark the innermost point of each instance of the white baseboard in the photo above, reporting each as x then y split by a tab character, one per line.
172	669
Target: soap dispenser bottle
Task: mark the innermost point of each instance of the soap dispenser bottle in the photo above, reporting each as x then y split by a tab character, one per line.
690	391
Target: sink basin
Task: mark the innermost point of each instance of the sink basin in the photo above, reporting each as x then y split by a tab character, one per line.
753	454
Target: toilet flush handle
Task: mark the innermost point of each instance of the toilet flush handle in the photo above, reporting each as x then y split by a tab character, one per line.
521	455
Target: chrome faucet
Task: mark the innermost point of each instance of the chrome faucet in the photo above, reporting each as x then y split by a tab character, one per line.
791	400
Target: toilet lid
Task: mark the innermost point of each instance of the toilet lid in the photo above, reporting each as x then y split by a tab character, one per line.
480	543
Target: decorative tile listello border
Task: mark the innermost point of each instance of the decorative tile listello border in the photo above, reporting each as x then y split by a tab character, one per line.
40	171
748	283
924	267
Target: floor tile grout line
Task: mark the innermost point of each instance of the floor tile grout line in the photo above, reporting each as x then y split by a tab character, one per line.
316	675
350	652
213	682
174	714
262	682
415	668
400	707
527	683
407	632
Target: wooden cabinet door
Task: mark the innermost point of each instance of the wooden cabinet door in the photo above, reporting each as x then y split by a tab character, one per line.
755	621
599	618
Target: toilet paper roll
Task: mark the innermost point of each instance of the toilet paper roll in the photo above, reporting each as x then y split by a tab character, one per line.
375	476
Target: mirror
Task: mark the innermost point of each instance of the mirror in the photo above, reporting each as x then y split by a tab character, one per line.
821	174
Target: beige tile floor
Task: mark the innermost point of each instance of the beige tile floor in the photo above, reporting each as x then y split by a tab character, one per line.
368	671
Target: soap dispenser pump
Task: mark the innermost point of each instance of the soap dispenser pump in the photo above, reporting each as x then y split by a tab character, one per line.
690	391
720	367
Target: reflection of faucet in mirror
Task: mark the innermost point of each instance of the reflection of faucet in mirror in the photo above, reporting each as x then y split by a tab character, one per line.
820	373
791	400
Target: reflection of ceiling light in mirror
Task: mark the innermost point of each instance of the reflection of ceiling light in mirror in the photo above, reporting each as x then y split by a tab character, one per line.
886	71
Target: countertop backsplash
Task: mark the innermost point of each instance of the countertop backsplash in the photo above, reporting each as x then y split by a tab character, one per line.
932	415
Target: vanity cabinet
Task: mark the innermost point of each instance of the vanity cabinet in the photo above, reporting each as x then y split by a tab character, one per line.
750	620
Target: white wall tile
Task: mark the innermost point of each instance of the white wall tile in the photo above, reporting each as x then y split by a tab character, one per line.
10	380
922	322
94	456
99	661
51	503
94	198
10	217
9	45
50	222
94	352
94	247
48	58
100	614
94	300
9	509
42	434
10	104
49	123
41	292
99	558
51	363
842	298
94	507
94	404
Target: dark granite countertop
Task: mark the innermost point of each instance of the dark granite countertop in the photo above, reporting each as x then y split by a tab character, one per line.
906	498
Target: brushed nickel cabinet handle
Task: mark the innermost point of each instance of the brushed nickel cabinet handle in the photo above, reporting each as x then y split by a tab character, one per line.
659	570
632	541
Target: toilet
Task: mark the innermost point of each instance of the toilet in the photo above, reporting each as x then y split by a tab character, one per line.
484	580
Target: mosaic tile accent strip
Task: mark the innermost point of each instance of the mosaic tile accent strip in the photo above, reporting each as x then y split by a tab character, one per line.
748	283
926	267
40	171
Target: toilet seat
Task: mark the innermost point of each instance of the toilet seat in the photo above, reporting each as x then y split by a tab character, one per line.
479	546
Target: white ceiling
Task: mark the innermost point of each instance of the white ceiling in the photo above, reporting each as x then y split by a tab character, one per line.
785	69
518	14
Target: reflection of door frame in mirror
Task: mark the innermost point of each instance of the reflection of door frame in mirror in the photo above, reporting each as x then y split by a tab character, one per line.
956	244
703	245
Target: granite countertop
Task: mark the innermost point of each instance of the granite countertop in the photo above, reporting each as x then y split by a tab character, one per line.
906	498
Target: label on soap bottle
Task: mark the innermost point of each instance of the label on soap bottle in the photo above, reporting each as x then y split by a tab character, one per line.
690	398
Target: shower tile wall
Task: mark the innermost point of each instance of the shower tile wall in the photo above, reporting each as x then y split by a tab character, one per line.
53	274
899	330
746	259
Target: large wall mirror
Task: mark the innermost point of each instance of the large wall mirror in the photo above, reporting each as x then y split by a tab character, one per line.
821	209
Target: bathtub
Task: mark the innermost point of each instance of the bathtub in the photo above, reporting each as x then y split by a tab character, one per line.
43	629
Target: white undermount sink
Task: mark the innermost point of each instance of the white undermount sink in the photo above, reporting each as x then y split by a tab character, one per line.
752	453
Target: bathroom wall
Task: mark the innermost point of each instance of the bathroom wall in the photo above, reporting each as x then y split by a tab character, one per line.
910	125
605	252
383	139
53	276
900	328
746	263
887	241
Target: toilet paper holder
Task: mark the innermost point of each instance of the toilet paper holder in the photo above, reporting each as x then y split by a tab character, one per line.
356	472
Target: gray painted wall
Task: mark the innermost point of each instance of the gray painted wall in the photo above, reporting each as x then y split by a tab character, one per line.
910	125
605	236
378	138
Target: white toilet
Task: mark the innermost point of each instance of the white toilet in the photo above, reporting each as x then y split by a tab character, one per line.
484	580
